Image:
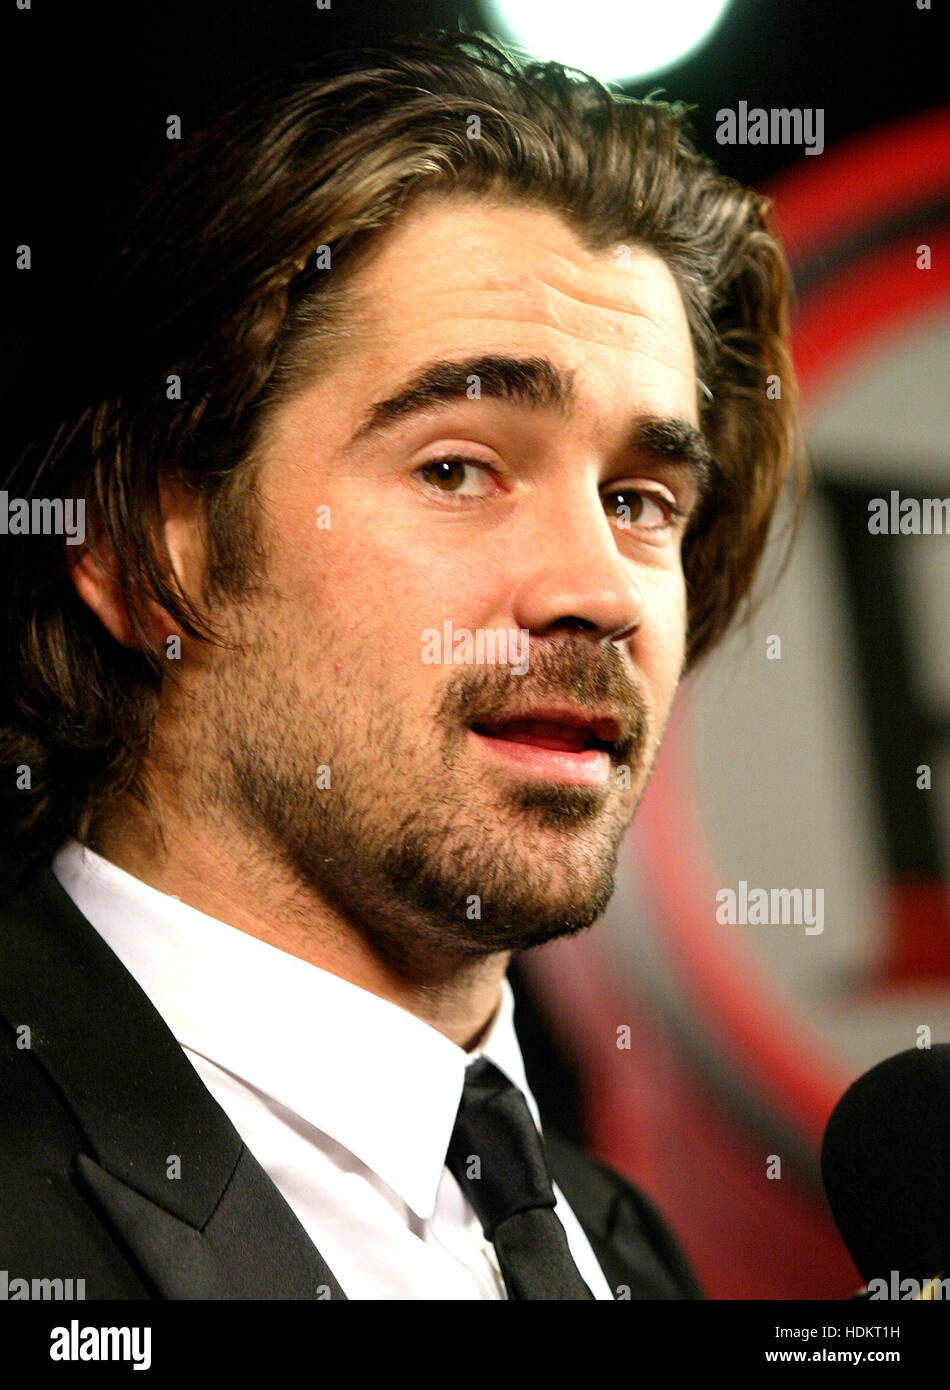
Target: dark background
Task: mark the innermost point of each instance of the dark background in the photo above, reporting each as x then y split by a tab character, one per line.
92	86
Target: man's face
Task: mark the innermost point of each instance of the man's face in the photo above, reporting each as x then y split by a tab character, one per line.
429	834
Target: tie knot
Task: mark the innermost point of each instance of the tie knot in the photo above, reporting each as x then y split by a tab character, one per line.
496	1154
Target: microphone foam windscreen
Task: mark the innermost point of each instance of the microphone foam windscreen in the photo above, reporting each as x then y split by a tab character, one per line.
885	1161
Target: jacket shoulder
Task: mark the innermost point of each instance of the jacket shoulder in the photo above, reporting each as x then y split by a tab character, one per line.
48	1230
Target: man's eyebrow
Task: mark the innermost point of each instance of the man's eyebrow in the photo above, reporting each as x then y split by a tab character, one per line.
672	440
534	381
537	382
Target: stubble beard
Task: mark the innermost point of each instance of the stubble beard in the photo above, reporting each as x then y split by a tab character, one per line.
420	847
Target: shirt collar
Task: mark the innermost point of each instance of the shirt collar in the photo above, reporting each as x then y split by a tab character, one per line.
372	1076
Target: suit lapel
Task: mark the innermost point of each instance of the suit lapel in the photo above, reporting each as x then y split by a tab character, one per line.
165	1167
252	1247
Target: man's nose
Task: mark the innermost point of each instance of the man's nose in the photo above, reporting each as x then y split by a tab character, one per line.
577	577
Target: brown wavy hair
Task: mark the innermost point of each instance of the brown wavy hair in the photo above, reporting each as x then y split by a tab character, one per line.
217	285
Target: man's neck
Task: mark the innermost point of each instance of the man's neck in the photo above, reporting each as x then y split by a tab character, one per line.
236	884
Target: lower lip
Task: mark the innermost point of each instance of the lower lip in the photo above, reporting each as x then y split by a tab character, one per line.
590	768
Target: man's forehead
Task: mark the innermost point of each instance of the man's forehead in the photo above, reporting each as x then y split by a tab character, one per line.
509	258
456	277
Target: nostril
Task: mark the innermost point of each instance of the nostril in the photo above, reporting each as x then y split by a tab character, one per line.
576	624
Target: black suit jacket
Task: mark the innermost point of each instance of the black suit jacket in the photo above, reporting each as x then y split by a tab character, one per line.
92	1110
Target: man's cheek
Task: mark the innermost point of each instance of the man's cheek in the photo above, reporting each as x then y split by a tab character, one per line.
664	632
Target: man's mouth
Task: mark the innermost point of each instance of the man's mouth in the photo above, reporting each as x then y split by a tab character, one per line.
563	744
542	733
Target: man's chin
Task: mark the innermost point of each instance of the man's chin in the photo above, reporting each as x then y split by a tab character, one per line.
443	948
506	882
536	909
525	936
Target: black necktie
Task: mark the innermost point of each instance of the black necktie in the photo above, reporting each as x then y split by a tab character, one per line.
497	1158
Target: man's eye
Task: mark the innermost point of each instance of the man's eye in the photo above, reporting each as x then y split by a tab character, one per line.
457	477
629	507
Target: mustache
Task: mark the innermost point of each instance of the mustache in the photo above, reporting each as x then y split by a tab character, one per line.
568	671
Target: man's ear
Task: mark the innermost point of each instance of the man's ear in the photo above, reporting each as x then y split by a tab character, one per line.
94	574
93	577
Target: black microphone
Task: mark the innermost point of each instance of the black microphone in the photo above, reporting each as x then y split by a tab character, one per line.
885	1161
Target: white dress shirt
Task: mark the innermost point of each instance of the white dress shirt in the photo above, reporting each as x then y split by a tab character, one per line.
347	1101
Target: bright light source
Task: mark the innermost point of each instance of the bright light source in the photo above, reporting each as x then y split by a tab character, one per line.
615	40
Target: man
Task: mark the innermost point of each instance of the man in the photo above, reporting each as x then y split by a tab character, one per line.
415	344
